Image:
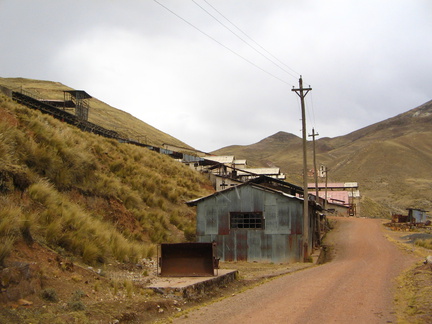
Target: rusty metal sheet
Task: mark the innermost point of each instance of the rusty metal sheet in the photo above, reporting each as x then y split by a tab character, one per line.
224	224
219	240
297	222
229	248
187	259
211	221
278	241
255	246
241	244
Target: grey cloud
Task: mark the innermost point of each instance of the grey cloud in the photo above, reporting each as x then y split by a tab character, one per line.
366	61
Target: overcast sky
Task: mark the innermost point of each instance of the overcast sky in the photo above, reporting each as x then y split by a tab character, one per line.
218	82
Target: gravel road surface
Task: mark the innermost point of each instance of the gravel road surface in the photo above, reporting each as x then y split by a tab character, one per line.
356	287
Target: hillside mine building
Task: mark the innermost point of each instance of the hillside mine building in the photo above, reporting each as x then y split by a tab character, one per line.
259	220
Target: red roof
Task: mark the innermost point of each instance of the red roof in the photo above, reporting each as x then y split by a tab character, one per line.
337	197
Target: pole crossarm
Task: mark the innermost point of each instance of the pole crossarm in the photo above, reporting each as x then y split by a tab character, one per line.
300	92
313	134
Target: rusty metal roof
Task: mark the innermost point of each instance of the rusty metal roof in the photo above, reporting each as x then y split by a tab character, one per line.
79	94
335	185
263	171
221	158
278	184
256	184
338	197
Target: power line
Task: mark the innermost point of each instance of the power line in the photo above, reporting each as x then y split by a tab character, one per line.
244	41
221	44
313	110
260	46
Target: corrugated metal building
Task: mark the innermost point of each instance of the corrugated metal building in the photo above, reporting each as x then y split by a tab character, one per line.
251	173
252	222
416	215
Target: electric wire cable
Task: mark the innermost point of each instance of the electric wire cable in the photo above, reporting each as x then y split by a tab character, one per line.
255	42
221	44
239	37
309	112
312	110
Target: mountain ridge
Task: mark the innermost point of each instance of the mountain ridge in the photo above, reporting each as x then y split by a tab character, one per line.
390	159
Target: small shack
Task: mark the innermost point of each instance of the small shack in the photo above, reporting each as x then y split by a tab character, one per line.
417	216
254	221
79	99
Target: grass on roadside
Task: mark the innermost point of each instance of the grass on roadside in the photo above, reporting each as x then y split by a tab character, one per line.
426	243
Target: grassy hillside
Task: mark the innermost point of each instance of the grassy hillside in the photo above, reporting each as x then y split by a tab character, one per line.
391	160
100	113
85	196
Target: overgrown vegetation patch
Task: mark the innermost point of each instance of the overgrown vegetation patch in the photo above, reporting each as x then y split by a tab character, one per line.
88	199
414	303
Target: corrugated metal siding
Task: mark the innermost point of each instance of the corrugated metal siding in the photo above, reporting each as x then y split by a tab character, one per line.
229	248
191	158
419	215
241	243
278	242
254	242
201	220
211	221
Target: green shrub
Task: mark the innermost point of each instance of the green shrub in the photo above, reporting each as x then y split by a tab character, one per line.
25	229
129	288
49	294
78	294
76	303
91	254
175	220
42	192
190	234
10	217
6	245
151	252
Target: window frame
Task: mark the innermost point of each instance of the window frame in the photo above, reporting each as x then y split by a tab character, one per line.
247	220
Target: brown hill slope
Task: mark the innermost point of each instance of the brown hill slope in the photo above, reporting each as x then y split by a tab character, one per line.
142	192
100	113
58	179
391	160
71	199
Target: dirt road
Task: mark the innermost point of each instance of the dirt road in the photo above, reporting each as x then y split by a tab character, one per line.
356	287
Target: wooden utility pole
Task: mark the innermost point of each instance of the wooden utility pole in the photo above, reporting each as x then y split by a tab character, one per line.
302	92
326	181
317	220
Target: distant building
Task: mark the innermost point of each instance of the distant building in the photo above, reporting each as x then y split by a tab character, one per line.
227	160
240	164
251	173
345	194
416	215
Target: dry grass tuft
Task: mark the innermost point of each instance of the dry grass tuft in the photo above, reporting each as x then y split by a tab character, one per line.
426	243
88	196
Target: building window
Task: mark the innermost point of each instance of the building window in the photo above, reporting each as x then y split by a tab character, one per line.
253	220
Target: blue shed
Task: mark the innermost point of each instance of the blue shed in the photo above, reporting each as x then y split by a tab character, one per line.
253	222
416	215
